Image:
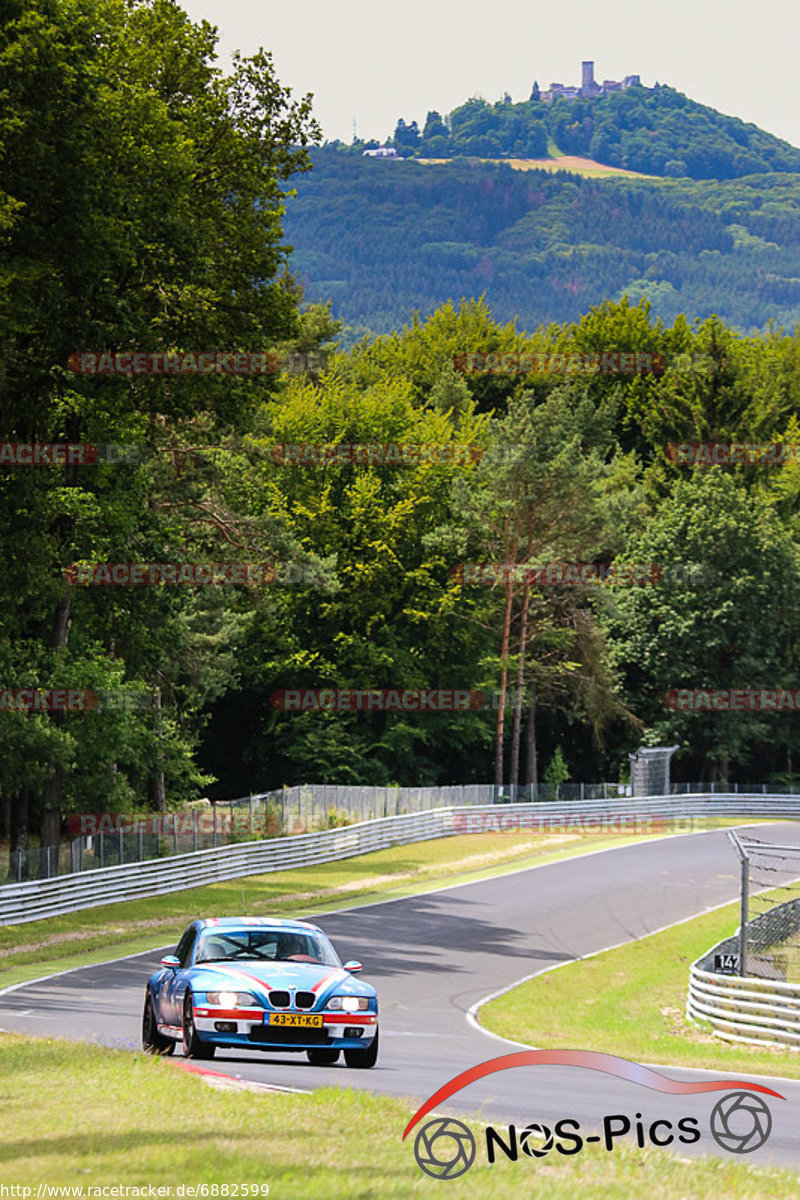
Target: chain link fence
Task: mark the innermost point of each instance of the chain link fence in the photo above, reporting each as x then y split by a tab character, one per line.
96	840
768	943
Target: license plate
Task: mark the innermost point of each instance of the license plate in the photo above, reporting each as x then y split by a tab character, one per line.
296	1020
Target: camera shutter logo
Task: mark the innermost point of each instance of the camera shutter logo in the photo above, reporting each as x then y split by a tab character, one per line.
740	1122
444	1148
536	1140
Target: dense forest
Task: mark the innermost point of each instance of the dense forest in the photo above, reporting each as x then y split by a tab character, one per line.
366	587
381	239
658	131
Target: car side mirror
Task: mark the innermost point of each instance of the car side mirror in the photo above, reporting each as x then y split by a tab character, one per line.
352	966
169	960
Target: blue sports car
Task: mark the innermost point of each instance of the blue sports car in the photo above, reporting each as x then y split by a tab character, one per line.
260	984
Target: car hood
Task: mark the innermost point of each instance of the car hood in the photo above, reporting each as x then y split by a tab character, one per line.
263	977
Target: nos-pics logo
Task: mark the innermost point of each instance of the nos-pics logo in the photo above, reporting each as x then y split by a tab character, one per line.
445	1148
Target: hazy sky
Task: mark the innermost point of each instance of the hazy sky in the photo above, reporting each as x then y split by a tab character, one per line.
368	60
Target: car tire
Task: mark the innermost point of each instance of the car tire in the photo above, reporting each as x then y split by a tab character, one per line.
153	1042
322	1058
363	1058
192	1046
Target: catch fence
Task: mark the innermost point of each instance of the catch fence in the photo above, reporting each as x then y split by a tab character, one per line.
34	899
101	840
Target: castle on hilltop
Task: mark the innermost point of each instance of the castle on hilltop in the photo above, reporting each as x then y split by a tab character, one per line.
589	86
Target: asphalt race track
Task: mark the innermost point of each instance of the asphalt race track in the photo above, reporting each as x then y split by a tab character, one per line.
434	956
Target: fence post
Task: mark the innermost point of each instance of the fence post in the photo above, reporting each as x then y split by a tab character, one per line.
121	846
744	889
214	811
743	918
194	829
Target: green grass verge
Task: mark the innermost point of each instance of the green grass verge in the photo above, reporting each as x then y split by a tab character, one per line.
136	1121
630	1002
96	934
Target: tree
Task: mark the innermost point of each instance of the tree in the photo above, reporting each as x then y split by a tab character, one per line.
434	127
724	617
119	135
406	137
542	501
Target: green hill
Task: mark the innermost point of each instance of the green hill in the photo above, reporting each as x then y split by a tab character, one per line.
658	131
381	238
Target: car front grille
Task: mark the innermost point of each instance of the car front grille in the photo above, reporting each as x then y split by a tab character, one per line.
279	999
281	1035
304	999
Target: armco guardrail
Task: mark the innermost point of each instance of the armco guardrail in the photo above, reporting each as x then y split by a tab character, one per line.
743	1008
35	899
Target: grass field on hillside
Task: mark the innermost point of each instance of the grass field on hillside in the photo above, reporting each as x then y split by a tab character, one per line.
576	164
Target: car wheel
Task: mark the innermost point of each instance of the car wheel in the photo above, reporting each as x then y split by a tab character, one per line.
322	1058
153	1042
192	1046
363	1058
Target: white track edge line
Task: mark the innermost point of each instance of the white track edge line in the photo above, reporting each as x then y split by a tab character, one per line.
471	1014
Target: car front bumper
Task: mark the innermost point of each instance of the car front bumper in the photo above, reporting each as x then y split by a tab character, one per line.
246	1028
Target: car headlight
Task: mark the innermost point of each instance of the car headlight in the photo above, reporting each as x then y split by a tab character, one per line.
231	999
349	1003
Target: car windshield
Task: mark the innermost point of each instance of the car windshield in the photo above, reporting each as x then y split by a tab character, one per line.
271	945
